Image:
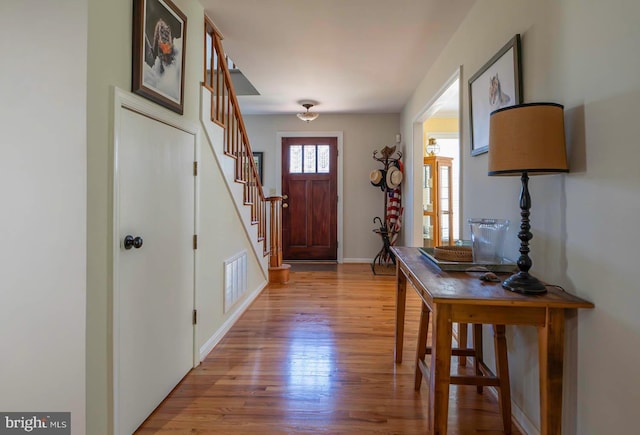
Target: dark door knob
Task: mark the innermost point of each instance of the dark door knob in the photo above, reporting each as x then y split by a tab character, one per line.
132	242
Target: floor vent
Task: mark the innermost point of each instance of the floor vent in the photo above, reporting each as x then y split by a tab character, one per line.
235	279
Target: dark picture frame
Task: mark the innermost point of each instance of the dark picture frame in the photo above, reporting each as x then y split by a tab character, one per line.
258	157
159	42
497	84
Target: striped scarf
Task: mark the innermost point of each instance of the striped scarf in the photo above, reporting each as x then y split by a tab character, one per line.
394	213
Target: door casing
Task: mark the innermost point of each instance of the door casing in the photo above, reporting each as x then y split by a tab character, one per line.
412	190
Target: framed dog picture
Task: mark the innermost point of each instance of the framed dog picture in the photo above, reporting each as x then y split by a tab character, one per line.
497	84
159	41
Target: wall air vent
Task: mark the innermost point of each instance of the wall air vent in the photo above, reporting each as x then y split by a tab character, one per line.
235	279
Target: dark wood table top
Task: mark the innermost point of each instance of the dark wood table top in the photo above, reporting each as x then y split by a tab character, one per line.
467	288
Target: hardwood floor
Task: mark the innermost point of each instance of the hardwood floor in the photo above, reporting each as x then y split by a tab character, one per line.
316	356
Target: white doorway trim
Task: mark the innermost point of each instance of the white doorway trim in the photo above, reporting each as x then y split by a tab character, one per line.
414	238
123	100
429	109
337	134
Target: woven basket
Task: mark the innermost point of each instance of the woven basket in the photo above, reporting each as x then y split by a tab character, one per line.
453	253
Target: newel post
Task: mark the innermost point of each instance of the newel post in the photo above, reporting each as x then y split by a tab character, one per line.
278	272
275	231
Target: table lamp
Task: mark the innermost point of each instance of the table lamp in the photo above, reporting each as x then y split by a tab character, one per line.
526	139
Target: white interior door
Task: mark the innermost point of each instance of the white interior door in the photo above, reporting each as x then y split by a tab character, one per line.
154	297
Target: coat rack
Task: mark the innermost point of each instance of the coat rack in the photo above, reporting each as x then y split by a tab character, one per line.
389	157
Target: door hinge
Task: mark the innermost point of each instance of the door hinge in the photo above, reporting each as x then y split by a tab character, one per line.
195	241
195	169
195	317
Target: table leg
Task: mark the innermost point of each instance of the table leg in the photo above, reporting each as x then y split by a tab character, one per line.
502	370
477	346
550	355
462	342
440	375
401	299
421	351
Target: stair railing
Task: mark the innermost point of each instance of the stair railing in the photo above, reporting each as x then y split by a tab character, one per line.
225	112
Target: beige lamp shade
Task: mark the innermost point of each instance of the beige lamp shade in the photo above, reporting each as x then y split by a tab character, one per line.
527	138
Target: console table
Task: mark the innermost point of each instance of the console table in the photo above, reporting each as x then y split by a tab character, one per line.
462	298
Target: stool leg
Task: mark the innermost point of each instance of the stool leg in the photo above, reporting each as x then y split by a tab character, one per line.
477	346
421	351
502	369
462	342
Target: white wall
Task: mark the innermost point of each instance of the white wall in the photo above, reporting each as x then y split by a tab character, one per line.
221	235
109	65
362	134
581	54
43	219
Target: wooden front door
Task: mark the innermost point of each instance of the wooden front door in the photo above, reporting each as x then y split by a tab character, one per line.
310	198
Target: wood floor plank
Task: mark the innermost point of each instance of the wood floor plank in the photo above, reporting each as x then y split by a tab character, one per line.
316	357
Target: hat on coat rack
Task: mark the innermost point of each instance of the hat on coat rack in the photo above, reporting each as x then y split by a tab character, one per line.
394	177
377	178
387	151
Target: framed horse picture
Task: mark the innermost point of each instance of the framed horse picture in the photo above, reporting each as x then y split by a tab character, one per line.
159	41
497	84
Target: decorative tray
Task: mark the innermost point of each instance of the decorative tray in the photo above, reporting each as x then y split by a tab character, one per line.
468	266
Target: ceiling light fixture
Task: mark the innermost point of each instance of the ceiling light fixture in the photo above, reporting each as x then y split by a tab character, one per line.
308	116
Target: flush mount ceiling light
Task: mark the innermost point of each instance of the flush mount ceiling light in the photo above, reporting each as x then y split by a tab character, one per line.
308	116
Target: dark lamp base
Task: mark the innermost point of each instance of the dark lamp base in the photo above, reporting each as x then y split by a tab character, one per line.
524	283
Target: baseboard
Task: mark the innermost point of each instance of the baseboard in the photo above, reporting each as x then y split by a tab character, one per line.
344	261
231	320
519	419
522	422
357	260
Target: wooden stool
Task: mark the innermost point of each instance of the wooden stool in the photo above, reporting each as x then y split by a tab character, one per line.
483	375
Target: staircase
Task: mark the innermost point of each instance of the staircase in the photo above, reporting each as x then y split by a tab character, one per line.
235	158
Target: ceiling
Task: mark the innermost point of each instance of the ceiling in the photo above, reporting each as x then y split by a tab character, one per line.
348	56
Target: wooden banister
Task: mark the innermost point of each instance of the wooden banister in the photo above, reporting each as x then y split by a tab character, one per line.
225	111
